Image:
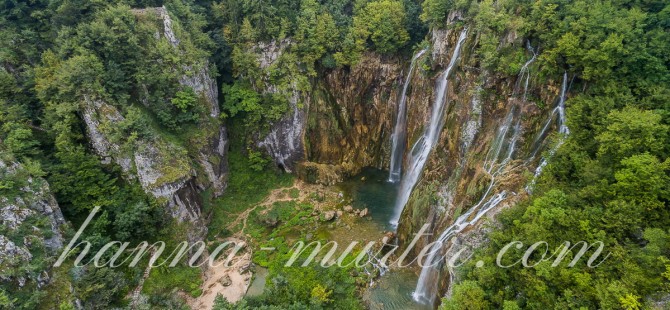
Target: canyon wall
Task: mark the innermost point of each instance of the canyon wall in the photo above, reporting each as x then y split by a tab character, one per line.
31	226
492	135
174	171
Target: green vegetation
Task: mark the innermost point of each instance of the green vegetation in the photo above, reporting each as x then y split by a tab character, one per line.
250	182
383	22
167	280
311	287
609	181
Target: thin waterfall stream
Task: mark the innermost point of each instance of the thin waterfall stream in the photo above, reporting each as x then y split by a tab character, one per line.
524	73
499	155
421	150
400	131
563	132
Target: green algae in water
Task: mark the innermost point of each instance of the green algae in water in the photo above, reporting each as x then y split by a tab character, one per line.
258	284
371	189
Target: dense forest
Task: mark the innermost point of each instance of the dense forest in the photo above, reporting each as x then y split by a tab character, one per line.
608	181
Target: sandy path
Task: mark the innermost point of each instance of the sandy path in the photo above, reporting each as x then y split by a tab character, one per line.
237	278
237	274
276	195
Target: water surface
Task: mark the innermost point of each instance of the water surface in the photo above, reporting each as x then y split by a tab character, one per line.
393	291
371	189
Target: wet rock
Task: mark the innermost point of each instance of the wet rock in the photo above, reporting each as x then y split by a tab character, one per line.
324	174
365	212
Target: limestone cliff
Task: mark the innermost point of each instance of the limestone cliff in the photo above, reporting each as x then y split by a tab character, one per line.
492	142
175	171
339	123
284	142
31	226
492	134
351	118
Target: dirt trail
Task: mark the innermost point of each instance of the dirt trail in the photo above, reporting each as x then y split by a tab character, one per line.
232	282
229	280
276	195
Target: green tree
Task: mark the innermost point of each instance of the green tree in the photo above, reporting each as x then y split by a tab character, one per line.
467	295
321	295
316	33
632	131
383	23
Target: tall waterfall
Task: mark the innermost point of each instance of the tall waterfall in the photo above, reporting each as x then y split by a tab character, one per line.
421	150
400	132
498	157
563	131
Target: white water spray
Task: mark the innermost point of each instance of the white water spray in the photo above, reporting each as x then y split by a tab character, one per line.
563	131
421	150
524	73
495	165
400	132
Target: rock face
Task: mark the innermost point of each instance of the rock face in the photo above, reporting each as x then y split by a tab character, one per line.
284	142
492	137
492	140
31	226
338	126
170	171
492	133
351	118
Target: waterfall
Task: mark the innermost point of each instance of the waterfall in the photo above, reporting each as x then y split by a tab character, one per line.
499	155
400	132
563	131
524	73
421	150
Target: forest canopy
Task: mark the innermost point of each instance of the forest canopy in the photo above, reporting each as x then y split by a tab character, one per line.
609	181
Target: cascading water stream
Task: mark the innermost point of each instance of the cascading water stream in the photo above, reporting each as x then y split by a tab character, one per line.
524	73
421	150
400	132
426	290
563	131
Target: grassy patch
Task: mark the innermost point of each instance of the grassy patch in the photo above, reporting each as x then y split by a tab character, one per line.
246	188
165	280
294	193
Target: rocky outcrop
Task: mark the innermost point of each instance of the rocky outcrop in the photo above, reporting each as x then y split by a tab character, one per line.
172	171
161	168
352	115
339	126
31	225
196	76
485	153
284	142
